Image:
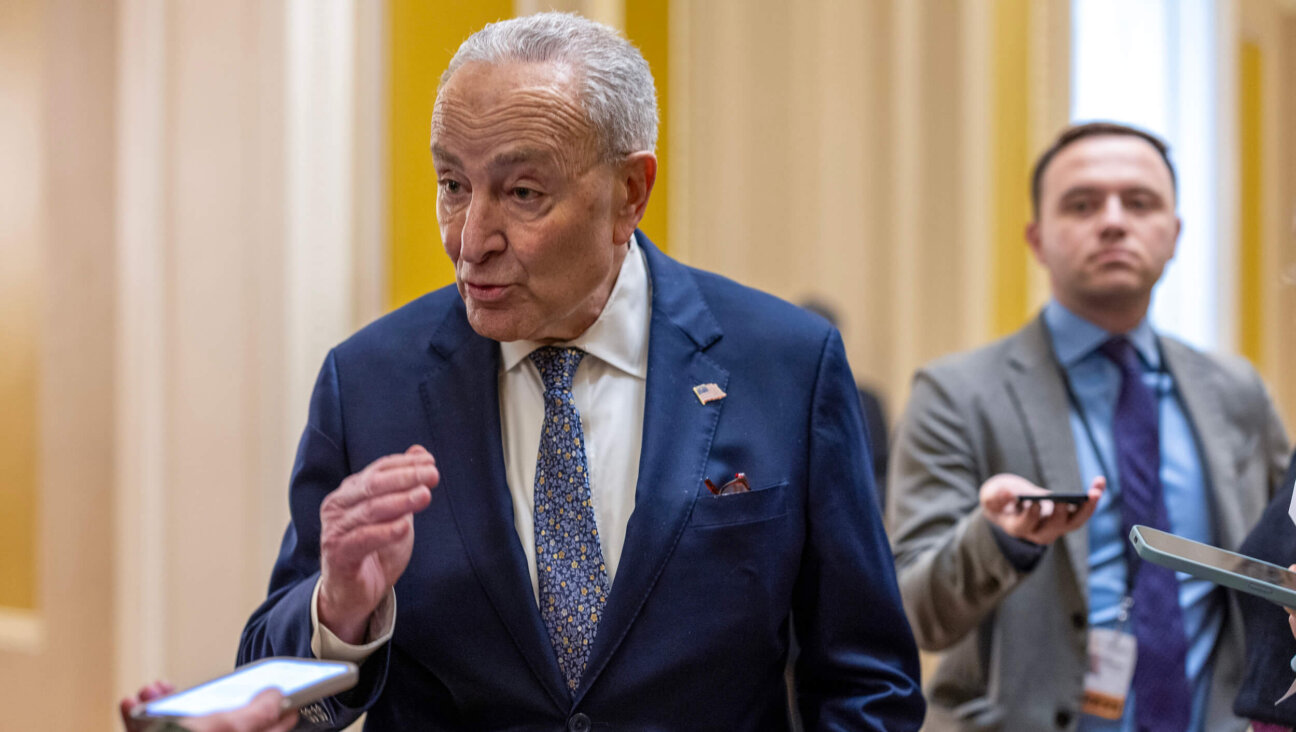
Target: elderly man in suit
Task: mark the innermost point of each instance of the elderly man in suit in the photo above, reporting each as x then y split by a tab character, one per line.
645	476
1044	616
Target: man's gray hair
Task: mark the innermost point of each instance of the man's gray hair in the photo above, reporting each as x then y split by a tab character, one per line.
616	86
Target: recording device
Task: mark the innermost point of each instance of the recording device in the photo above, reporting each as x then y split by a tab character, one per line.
300	680
1220	566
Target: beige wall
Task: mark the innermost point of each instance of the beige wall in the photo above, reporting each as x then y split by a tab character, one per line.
1283	371
1272	26
1264	148
249	242
21	200
841	149
69	167
201	253
190	176
857	151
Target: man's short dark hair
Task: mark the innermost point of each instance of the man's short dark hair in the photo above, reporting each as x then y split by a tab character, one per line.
1094	129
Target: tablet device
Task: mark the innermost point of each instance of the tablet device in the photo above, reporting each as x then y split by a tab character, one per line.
300	680
1243	573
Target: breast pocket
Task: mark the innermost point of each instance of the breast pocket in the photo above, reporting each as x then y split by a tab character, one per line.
762	504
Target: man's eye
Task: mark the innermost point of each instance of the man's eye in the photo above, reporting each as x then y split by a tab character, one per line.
525	194
1079	206
451	186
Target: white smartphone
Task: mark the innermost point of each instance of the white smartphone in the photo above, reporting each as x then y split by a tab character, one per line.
1223	567
300	680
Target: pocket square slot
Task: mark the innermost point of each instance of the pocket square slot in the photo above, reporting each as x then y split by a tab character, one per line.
739	484
762	504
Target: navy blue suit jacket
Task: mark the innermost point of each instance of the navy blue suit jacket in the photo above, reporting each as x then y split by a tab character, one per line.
696	630
1269	643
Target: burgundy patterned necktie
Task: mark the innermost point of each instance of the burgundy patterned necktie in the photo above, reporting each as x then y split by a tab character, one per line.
569	559
1162	698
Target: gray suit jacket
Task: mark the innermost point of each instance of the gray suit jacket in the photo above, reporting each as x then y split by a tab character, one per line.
1014	642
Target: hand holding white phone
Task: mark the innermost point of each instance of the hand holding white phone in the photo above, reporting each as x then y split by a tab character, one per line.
241	696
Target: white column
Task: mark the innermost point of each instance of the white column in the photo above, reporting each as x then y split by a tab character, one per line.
141	358
249	216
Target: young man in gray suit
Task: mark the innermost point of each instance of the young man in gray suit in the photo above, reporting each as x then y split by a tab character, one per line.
1044	617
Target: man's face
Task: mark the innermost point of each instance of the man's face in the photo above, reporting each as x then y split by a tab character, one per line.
534	223
1106	226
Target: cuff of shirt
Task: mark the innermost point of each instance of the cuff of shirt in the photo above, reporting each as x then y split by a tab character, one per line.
1023	555
327	646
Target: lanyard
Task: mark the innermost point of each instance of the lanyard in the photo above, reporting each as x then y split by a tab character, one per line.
1163	387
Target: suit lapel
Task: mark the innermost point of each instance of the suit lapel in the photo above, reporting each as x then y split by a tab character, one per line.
1201	403
466	438
1036	384
677	434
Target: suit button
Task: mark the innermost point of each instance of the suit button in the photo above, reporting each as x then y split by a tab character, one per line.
1063	718
578	723
1078	620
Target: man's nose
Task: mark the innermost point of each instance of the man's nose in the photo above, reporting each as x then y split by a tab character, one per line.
483	230
1113	216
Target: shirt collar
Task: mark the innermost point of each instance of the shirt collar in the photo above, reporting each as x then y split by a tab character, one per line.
619	336
1074	338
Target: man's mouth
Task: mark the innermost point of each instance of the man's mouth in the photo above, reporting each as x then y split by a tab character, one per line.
1114	256
484	291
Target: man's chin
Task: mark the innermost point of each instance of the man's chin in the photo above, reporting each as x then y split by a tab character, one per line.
519	324
1120	280
1118	295
494	325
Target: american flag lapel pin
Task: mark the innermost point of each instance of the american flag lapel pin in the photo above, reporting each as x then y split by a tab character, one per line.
707	393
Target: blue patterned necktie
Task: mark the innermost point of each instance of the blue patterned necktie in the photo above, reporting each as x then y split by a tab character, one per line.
1162	698
569	560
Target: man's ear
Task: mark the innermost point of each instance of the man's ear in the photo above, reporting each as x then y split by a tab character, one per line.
635	177
1178	233
1033	239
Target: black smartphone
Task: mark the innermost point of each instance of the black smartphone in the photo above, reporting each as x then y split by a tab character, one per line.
1072	498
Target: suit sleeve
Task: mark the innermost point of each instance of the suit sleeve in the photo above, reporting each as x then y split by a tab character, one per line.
952	569
876	425
281	626
858	661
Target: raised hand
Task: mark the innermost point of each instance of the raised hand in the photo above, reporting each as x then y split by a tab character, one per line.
367	536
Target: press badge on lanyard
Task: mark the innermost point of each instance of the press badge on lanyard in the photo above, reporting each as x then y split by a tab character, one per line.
1112	654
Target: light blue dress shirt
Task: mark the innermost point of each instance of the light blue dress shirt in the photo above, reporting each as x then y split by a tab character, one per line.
1095	385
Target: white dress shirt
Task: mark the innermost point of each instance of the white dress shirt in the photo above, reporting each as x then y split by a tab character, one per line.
608	388
609	391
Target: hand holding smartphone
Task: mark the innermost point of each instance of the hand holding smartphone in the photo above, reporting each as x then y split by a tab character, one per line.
1024	510
1075	499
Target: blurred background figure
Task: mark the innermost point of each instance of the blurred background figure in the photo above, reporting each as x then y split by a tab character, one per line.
1086	395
